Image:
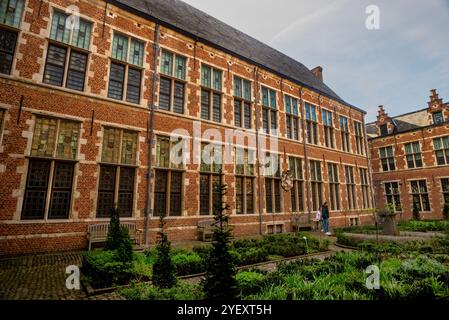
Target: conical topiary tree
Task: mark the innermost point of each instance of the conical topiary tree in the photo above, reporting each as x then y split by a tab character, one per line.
220	280
164	270
118	238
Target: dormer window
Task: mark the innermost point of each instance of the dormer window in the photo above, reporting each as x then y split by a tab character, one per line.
438	117
384	130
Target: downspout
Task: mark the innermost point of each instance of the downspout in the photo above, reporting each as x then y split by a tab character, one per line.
152	106
259	181
306	160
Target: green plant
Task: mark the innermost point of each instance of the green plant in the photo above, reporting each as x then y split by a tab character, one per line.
416	214
118	238
250	282
188	263
164	270
220	280
104	269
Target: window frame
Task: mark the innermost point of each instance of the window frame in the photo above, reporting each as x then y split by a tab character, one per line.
273	179
345	134
394	195
53	161
127	65
359	137
213	171
334	186
444	150
419	183
350	187
364	185
328	125
242	102
297	191
173	79
413	154
69	49
292	118
435	120
269	110
445	190
212	91
248	174
311	123
316	183
387	160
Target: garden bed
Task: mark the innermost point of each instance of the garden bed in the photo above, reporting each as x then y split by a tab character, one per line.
102	273
340	277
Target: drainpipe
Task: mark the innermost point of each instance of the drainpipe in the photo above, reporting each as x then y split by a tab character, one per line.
301	102
259	181
152	106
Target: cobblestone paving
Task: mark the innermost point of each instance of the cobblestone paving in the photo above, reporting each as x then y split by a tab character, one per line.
41	277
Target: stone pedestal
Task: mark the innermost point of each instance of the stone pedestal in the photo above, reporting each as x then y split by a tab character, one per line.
388	223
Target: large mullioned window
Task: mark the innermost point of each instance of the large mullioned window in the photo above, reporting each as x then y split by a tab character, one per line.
350	186
328	129
292	117
242	103
125	74
172	82
316	182
297	191
269	111
67	53
364	182
169	175
359	137
48	190
211	93
344	133
272	177
117	172
387	159
334	186
413	155
393	195
420	195
441	146
244	181
311	124
211	171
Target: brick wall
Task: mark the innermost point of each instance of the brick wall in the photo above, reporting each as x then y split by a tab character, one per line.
93	109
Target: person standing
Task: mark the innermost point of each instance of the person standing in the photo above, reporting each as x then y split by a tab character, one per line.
325	217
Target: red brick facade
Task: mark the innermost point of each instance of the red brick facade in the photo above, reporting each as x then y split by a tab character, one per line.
412	139
24	96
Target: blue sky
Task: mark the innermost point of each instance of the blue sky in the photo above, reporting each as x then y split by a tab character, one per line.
395	66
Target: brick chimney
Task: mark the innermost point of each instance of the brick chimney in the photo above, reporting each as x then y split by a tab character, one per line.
318	72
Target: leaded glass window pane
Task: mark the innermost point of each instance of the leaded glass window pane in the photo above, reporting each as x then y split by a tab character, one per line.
176	193
265	96
44	137
116	81
247	90
81	36
238	87
54	68
217	79
120	47
77	71
167	63
163	152
178	97
67	139
11	12
180	67
111	145
61	191
59	30
126	192
36	190
206	76
136	52
160	193
106	188
129	147
133	85
7	47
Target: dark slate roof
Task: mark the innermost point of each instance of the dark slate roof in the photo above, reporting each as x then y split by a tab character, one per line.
199	25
